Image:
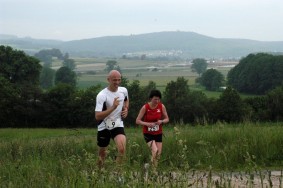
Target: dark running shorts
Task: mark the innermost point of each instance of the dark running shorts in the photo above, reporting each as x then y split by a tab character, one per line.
150	137
104	136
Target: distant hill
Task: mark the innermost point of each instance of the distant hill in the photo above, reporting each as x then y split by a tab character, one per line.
27	44
175	43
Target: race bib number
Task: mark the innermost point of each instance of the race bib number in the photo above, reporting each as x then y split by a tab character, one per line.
110	124
152	129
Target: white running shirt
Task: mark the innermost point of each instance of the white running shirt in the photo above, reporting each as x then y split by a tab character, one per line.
104	100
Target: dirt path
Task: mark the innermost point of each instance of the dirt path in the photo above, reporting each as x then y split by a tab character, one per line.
264	179
238	180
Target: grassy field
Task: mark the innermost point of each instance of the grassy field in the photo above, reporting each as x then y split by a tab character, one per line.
200	156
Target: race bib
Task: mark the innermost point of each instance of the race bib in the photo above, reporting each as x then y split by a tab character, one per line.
155	128
110	124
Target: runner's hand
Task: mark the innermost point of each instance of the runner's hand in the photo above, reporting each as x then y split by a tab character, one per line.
124	112
116	103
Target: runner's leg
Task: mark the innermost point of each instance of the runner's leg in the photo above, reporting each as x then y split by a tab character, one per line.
120	141
101	156
103	139
154	151
159	151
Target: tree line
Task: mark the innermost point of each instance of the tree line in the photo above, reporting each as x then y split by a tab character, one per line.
257	73
24	103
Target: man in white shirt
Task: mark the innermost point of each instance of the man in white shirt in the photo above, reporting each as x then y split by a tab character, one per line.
112	104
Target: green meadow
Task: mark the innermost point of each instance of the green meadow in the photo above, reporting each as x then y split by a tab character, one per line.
218	155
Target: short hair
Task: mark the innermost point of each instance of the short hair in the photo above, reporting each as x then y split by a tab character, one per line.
154	93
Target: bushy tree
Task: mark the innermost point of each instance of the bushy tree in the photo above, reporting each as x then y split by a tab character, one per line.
197	108
47	77
275	103
230	107
199	65
19	75
70	63
212	110
46	55
19	68
176	97
135	95
82	107
9	96
257	73
259	108
57	105
124	81
112	65
212	79
65	75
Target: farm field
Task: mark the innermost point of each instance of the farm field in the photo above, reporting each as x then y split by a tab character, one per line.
91	71
246	155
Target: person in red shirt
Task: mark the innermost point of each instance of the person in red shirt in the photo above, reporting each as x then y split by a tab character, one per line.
152	116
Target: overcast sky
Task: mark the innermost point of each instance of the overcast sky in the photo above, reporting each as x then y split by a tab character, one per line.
82	19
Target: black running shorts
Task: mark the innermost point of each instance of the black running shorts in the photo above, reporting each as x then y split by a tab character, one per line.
150	137
104	136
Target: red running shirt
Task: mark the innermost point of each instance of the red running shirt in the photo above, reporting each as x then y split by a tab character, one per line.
152	115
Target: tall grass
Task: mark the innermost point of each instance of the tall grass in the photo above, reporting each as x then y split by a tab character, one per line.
228	147
200	156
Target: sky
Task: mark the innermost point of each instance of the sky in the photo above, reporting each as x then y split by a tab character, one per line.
83	19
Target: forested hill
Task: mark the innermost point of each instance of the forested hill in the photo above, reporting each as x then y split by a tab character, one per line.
184	44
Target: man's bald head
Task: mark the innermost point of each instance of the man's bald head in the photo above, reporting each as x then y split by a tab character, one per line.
114	73
114	79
